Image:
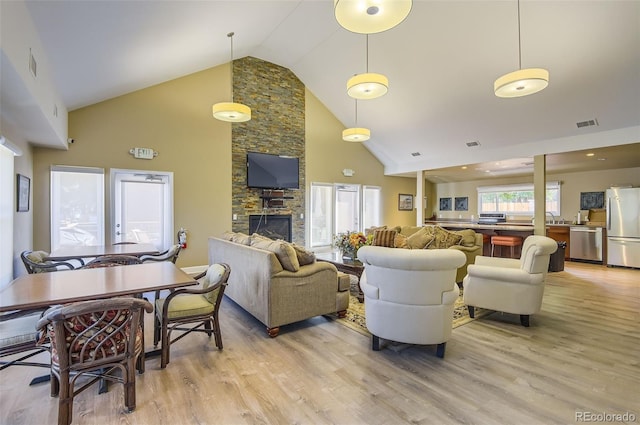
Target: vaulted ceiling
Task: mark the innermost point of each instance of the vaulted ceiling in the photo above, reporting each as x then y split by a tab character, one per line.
441	63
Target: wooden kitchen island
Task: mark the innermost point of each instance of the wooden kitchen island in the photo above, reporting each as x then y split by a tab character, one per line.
557	232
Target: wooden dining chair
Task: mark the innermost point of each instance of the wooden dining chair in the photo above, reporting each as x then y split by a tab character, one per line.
170	254
112	260
35	262
191	310
93	339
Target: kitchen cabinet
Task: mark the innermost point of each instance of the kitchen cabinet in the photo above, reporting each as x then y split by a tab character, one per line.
560	233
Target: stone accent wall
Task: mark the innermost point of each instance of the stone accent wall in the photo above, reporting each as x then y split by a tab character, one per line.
276	98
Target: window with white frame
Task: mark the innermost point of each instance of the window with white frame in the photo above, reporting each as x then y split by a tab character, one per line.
517	199
371	211
77	206
321	214
338	208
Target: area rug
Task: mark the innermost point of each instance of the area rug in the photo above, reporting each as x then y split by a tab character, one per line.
356	320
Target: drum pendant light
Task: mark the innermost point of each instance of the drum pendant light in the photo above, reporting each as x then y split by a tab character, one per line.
356	134
368	85
370	16
522	82
230	111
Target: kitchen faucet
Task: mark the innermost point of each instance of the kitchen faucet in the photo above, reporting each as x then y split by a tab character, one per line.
553	218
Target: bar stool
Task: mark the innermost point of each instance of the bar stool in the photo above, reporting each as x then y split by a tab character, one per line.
510	241
486	242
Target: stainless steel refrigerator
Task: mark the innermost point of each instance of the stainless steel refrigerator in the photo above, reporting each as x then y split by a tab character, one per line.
623	226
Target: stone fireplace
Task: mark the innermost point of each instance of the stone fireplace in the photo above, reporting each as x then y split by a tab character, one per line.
273	226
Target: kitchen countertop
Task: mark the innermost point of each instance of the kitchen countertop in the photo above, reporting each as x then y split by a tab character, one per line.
520	226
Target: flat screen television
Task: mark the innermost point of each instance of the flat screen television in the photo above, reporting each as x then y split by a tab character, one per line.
268	171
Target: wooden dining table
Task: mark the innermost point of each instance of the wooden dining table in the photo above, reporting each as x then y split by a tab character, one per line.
40	290
71	252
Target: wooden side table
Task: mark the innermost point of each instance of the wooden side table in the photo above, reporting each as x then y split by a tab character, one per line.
353	267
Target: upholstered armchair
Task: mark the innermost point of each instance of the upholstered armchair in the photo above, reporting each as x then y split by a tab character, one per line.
409	295
510	285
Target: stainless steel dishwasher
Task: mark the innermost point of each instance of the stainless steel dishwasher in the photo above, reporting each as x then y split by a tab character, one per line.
586	243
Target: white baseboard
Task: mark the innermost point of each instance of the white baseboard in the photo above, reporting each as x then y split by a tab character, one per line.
194	270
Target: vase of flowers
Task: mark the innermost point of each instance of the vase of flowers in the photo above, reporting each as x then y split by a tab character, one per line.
350	242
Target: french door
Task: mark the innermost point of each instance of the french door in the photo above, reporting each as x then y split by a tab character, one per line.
347	208
337	208
142	207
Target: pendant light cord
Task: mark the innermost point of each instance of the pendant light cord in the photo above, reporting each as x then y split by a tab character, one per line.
519	42
367	53
230	35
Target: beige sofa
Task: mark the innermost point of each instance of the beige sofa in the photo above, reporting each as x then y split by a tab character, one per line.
260	284
466	241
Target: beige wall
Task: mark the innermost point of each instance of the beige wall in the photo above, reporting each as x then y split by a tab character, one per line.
571	186
174	119
327	155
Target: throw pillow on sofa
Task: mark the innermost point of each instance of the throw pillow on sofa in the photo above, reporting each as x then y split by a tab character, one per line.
400	241
444	239
237	237
420	239
384	238
304	257
228	236
468	237
283	251
242	239
372	230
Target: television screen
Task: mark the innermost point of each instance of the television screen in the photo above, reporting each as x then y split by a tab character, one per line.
268	171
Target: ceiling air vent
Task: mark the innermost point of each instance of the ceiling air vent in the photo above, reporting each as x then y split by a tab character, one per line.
416	154
587	123
473	144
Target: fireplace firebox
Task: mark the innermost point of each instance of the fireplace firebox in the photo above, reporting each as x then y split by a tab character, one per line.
273	226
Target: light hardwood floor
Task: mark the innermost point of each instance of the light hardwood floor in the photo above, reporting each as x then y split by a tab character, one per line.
581	354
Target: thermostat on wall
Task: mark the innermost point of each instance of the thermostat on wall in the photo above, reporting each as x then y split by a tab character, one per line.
143	153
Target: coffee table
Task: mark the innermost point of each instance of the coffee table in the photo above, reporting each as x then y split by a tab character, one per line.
345	265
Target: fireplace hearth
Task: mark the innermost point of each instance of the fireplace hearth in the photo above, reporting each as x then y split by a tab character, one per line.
273	226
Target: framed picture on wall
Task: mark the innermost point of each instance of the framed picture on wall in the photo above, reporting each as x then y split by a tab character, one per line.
405	202
461	204
445	204
590	200
23	193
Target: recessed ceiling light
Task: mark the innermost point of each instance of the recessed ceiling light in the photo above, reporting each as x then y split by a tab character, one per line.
487	171
602	159
590	154
464	167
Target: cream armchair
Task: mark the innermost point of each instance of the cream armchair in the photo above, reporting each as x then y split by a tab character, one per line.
409	294
510	285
